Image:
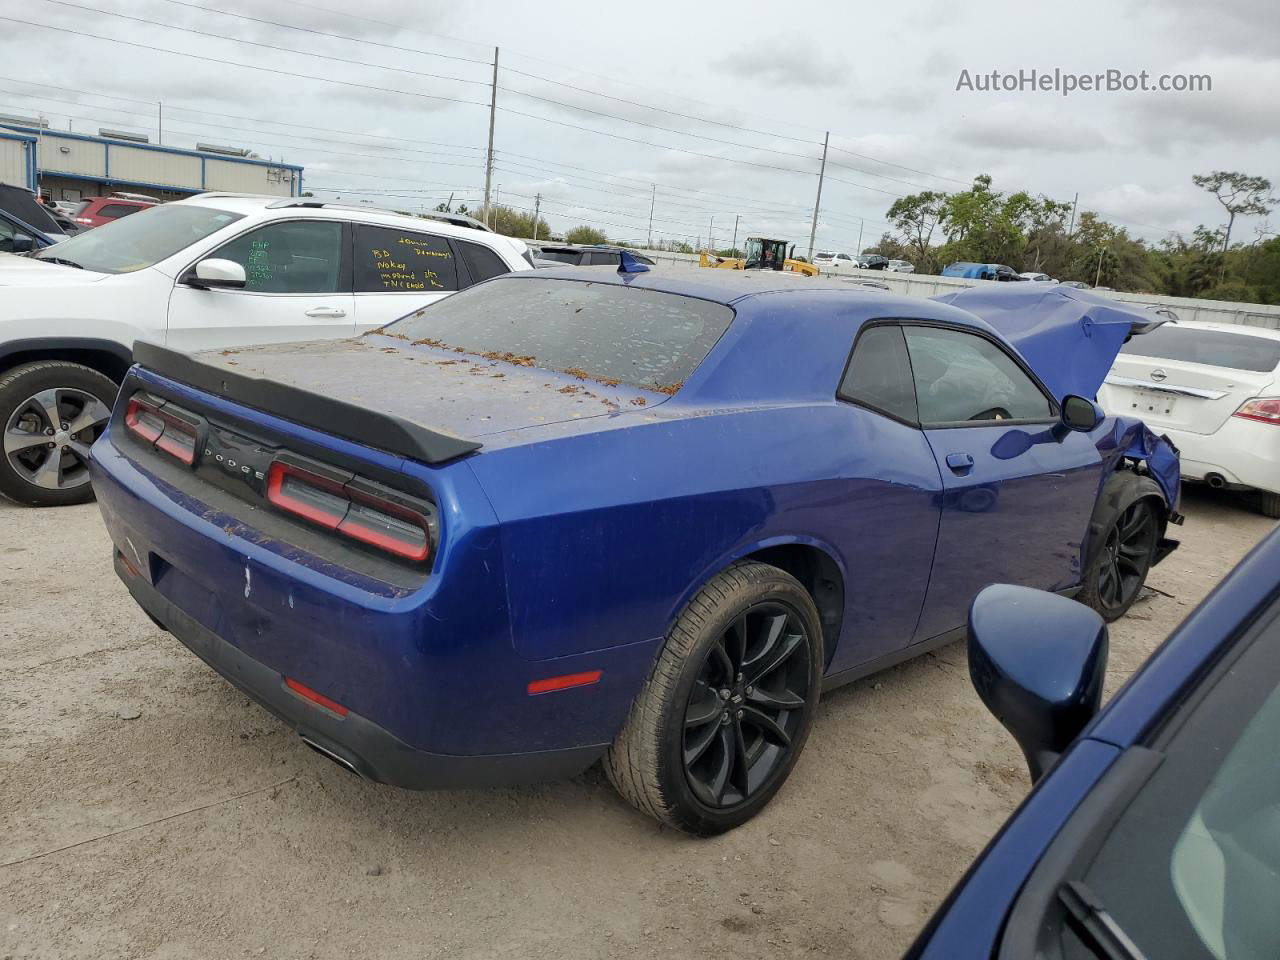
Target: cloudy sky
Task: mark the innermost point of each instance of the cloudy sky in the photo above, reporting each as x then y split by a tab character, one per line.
724	113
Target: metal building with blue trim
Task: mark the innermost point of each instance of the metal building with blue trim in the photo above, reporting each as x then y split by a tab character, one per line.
69	166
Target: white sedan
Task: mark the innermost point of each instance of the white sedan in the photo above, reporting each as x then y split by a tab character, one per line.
899	266
835	262
1214	390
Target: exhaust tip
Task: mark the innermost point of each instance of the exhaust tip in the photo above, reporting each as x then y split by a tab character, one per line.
340	760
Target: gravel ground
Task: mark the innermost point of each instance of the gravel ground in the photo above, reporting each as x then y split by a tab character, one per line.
147	810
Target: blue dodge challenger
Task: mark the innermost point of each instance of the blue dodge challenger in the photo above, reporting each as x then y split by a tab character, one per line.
571	515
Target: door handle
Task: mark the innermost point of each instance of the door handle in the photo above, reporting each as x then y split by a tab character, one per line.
960	463
328	313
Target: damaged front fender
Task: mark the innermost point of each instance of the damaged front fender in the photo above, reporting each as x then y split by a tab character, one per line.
1128	438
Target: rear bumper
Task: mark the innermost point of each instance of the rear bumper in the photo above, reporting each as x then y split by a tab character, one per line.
352	740
1244	453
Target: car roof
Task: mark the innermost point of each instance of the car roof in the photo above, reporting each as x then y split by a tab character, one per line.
248	204
734	286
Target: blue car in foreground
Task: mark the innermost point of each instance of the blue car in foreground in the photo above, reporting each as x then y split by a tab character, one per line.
572	515
1156	830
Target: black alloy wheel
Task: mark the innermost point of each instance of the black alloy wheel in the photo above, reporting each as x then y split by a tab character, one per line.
746	705
1126	557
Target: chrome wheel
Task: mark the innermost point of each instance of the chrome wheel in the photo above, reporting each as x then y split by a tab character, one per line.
48	436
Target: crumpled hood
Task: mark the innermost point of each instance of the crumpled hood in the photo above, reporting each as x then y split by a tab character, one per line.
27	272
1070	337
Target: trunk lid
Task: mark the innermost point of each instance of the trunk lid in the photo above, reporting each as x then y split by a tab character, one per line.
1190	378
455	393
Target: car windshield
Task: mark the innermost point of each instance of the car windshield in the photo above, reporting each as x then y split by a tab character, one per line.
136	242
1215	348
601	330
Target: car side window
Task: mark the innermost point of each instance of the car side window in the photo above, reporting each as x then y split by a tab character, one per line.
402	261
482	263
879	373
295	256
601	259
961	377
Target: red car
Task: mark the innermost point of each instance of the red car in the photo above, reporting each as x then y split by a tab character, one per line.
95	211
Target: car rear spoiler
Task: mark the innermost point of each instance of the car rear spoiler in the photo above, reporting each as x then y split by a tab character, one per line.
371	428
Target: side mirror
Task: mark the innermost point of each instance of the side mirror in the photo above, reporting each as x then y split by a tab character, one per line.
1038	662
214	273
21	243
1078	415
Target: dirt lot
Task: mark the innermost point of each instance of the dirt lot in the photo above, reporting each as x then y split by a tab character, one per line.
147	810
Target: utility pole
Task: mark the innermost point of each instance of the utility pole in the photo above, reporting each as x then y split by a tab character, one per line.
493	109
448	207
159	123
861	224
652	200
822	173
711	243
734	246
537	205
1098	276
1072	229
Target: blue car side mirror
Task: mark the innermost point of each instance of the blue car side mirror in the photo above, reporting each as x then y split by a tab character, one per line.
1038	662
1078	415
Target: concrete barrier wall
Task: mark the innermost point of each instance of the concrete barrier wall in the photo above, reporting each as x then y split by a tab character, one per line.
913	285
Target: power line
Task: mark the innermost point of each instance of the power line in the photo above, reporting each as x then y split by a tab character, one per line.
265	46
511	70
214	113
251	134
326	33
235	63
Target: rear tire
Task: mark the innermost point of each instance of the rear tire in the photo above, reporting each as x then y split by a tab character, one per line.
1269	504
51	412
1126	528
721	722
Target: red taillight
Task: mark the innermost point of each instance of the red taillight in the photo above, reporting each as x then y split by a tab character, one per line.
309	495
317	698
1263	410
565	682
167	430
355	508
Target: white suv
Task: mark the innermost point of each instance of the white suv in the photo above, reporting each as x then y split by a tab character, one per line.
218	270
1214	388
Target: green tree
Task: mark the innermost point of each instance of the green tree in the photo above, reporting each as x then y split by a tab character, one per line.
917	217
584	234
1240	195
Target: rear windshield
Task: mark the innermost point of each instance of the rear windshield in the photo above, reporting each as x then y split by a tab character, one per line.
1211	347
601	330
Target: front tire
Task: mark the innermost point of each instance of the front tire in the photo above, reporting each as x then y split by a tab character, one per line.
51	412
721	722
1125	531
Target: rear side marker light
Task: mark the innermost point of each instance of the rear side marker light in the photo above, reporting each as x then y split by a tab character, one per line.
354	508
152	421
1263	410
565	682
317	698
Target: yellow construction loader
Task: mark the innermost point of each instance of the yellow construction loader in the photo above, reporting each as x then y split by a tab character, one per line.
762	254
